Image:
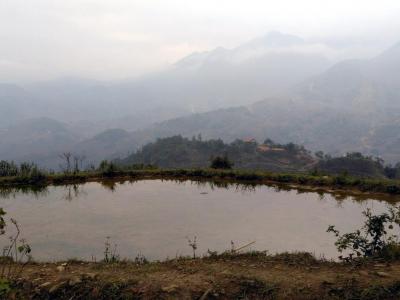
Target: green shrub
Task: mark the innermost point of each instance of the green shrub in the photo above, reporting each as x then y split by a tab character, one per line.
221	162
108	168
285	178
393	189
341	180
391	251
372	240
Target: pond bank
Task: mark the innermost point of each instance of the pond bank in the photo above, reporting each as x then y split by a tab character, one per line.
344	185
242	276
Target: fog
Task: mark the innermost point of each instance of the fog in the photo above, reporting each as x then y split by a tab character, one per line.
109	40
103	78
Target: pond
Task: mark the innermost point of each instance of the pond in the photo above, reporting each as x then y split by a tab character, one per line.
155	218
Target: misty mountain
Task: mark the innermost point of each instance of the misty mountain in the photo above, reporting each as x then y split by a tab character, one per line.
38	140
366	93
351	106
260	68
109	144
289	122
200	82
364	85
16	104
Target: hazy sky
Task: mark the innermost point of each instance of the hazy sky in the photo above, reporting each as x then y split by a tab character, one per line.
109	39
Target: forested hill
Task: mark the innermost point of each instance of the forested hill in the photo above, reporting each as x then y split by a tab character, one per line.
180	152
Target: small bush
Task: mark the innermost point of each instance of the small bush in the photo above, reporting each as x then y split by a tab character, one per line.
372	240
221	162
108	168
393	189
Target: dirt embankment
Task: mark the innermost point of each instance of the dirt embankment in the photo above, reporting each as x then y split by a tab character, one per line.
247	276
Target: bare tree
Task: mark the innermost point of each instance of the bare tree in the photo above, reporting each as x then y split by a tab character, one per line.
82	160
78	162
66	157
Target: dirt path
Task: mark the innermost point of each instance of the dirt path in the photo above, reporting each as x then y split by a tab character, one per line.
224	277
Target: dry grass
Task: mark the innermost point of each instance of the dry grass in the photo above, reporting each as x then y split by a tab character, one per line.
246	276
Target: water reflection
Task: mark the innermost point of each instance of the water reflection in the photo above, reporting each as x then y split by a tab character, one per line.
238	187
109	185
154	217
74	191
112	184
13	192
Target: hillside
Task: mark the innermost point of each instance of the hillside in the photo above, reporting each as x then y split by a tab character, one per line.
111	143
355	164
179	152
40	140
16	104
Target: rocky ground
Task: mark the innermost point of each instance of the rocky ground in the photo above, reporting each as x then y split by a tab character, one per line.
245	276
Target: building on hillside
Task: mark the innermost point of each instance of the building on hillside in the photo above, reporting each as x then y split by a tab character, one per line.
249	140
266	148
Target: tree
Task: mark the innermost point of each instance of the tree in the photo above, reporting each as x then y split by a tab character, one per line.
8	169
107	168
320	154
291	147
269	142
78	162
221	162
66	156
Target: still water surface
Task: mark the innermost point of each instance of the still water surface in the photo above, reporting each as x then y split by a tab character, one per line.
155	217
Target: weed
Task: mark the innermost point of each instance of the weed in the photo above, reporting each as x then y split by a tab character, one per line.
5	287
2	221
15	255
253	288
193	245
140	259
110	253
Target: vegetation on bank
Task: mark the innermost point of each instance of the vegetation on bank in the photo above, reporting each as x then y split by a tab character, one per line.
181	153
137	172
179	156
356	164
221	162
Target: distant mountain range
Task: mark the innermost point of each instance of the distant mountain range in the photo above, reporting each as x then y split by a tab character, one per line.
275	87
198	83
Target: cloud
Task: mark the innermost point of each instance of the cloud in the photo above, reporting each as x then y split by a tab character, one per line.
114	39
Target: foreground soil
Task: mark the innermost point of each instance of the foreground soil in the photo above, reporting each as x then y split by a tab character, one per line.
246	276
